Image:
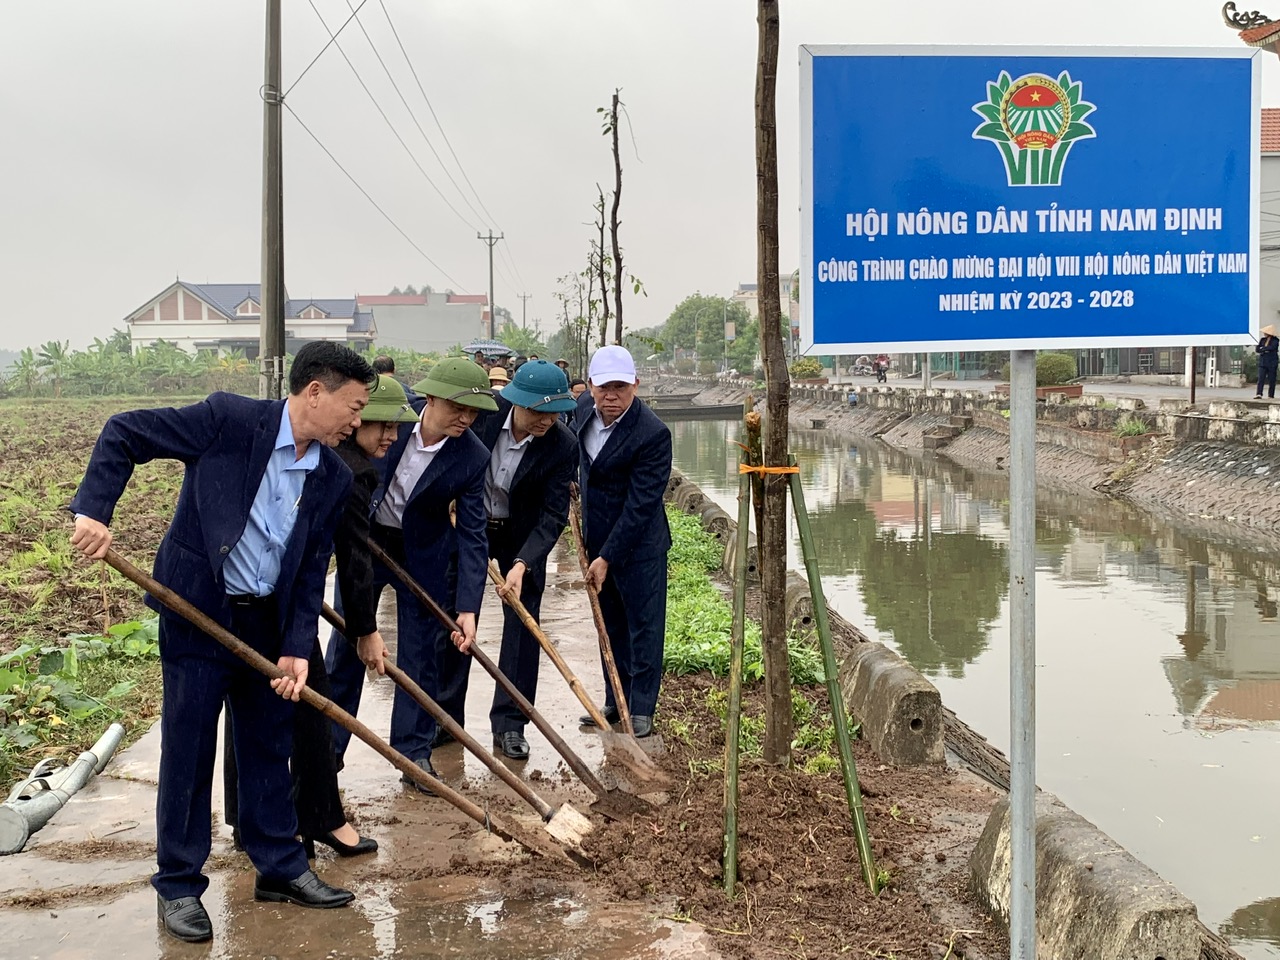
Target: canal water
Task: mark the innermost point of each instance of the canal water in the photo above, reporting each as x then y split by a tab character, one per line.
1158	650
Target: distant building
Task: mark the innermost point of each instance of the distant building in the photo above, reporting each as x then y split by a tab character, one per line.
430	322
228	316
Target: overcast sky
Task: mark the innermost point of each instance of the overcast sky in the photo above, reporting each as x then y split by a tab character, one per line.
132	139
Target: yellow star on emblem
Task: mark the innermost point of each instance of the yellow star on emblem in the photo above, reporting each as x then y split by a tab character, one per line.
1035	96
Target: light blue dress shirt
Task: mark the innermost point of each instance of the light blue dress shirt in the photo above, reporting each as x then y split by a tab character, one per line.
253	567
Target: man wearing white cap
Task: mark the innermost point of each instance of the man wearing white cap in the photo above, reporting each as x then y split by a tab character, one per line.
624	454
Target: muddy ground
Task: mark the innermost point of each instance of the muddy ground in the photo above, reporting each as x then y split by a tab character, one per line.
440	886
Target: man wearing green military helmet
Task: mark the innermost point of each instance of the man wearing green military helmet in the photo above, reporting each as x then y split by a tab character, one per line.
532	460
431	464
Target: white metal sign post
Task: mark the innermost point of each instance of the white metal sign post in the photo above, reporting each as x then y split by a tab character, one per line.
1022	199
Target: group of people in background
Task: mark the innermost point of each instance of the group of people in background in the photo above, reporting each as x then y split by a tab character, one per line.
470	463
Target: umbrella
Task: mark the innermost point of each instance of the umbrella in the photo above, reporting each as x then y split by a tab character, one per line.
490	348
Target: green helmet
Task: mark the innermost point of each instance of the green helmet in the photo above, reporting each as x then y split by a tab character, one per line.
459	380
388	403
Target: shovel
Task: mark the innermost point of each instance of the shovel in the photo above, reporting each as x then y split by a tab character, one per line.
620	749
606	648
564	822
533	842
610	803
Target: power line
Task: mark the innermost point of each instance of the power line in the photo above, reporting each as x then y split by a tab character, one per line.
427	100
414	118
333	38
365	192
390	125
448	143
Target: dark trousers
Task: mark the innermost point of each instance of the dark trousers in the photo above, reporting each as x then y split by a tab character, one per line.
262	729
519	656
1267	378
634	604
419	638
312	766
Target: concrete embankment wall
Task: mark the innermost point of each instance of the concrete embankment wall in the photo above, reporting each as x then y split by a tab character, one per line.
1094	899
1214	467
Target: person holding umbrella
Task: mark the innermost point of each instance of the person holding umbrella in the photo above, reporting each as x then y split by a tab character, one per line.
1267	361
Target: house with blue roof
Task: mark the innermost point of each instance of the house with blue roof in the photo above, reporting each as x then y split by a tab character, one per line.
228	316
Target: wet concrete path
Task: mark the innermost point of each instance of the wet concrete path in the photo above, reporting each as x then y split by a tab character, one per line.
80	888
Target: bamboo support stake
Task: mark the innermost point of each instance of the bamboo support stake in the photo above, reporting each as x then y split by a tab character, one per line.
839	718
733	716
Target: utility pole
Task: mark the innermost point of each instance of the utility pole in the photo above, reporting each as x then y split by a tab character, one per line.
271	330
490	240
524	307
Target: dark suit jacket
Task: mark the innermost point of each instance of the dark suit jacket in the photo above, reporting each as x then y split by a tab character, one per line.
622	489
225	442
540	488
432	544
350	543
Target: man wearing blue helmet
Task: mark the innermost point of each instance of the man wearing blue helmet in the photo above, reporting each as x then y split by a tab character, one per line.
533	459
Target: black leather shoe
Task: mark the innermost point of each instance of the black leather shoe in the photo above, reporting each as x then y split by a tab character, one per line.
307	890
362	846
185	919
442	737
430	770
513	744
610	714
235	839
642	725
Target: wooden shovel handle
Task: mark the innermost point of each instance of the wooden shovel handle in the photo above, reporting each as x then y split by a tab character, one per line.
572	759
495	574
327	707
606	648
455	729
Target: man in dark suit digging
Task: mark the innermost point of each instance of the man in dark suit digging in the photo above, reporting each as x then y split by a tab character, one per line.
249	545
624	465
533	459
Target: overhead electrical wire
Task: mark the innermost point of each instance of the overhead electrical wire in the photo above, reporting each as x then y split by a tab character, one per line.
444	273
414	117
333	38
445	136
391	126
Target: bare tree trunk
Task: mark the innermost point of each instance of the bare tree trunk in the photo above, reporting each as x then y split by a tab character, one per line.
604	284
773	537
613	225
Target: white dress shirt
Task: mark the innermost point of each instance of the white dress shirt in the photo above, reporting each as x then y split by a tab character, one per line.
503	463
413	464
595	434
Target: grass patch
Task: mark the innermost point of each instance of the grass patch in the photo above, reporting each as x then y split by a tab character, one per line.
700	618
57	700
1130	426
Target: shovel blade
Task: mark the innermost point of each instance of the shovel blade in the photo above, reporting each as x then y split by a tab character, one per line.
569	826
637	767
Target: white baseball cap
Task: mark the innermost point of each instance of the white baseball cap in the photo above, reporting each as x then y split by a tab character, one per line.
612	364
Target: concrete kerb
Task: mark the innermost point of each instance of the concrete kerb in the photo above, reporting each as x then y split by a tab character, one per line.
899	710
1093	898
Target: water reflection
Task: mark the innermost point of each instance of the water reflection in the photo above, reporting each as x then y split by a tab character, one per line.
1257	921
1158	647
926	542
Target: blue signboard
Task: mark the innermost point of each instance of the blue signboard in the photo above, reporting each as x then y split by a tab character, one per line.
1015	198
